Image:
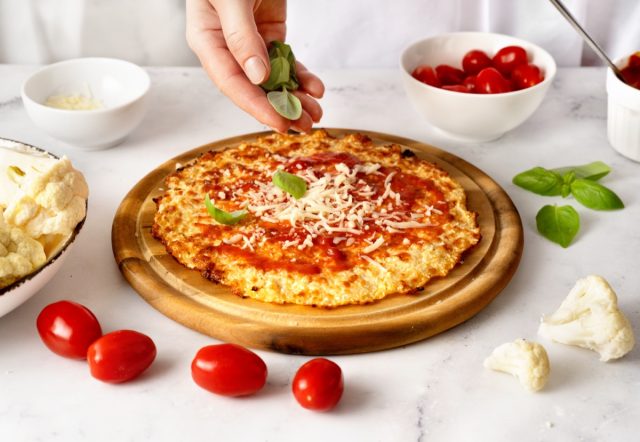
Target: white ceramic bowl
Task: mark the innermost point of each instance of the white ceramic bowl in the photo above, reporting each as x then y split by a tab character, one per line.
472	117
21	290
623	115
121	86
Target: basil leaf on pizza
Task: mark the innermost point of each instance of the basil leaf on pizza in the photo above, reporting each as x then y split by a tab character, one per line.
290	183
222	217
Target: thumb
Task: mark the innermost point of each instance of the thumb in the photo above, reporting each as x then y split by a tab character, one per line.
242	37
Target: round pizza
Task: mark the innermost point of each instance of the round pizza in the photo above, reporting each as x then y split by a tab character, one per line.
315	220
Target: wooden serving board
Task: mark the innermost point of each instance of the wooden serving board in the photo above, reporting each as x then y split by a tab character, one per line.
185	296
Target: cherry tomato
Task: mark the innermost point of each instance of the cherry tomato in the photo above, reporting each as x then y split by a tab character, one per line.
508	58
474	61
456	88
120	356
526	75
68	328
631	72
426	74
318	385
228	370
634	61
490	81
470	83
449	75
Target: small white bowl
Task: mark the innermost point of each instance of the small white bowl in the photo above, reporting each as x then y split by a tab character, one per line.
472	117
623	115
122	87
24	288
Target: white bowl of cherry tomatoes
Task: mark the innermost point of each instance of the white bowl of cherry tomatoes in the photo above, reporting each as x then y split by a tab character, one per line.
476	86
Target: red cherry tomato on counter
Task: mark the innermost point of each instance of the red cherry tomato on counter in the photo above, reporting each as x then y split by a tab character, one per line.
456	88
228	370
508	58
68	328
490	81
526	75
318	385
426	74
120	356
474	61
448	75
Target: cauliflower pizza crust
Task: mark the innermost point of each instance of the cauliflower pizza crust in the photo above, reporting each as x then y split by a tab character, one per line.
375	220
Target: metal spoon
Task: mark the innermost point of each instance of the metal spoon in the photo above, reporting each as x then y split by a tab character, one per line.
586	37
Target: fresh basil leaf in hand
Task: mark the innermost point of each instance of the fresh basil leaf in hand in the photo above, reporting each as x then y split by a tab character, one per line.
595	196
280	49
286	104
279	74
541	181
226	218
558	224
282	79
290	183
592	171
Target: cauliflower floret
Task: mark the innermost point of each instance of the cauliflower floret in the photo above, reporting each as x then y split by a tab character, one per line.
19	254
49	203
527	361
589	317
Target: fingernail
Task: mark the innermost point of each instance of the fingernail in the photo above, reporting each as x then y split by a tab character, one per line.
255	69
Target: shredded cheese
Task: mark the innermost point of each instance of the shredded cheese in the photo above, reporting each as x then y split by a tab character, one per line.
73	102
338	202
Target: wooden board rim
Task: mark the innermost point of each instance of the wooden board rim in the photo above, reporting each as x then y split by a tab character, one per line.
318	336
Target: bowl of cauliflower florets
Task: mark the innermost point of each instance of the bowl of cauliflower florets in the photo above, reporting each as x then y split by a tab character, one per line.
43	205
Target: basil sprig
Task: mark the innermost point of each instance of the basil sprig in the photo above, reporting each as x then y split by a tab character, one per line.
579	181
283	79
558	224
290	183
226	218
561	224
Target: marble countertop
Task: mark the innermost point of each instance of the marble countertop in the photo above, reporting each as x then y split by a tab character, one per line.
435	390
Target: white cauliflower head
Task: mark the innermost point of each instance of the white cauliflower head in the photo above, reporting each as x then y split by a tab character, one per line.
19	254
590	318
527	361
49	203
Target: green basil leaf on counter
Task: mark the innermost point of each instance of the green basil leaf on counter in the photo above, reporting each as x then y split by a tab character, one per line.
558	224
541	181
595	196
226	218
290	183
592	171
286	104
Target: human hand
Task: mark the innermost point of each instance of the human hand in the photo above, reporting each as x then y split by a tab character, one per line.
230	37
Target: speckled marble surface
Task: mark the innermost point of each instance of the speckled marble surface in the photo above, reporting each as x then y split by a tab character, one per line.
436	390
